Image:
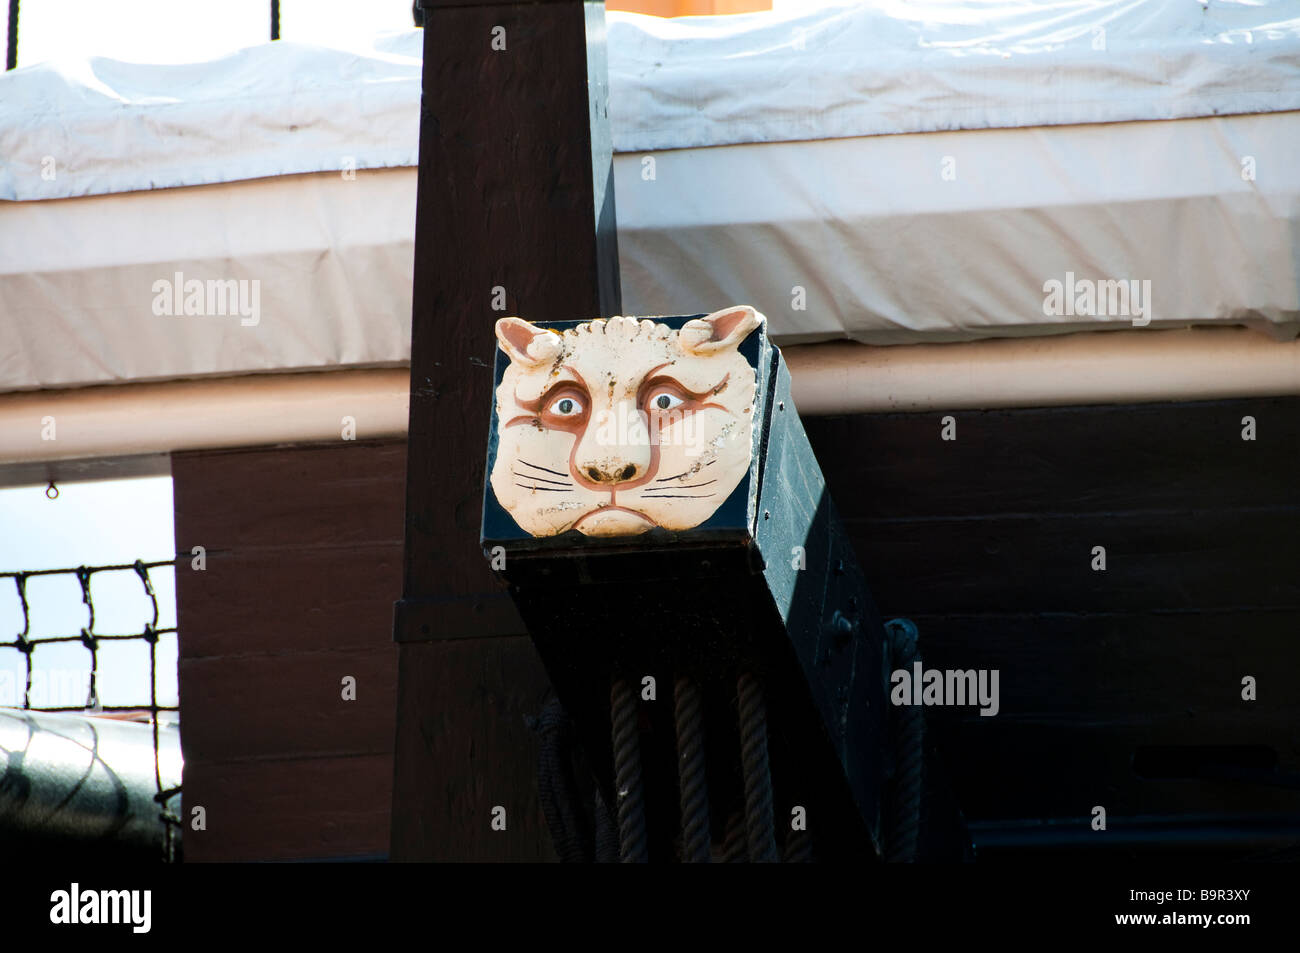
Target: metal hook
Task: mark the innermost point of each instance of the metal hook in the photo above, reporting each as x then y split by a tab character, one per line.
52	491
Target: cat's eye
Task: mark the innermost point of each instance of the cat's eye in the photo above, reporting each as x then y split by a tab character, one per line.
663	401
565	406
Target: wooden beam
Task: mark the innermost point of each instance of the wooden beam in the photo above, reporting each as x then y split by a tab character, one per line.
514	215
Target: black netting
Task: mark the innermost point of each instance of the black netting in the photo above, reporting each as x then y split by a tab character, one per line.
28	645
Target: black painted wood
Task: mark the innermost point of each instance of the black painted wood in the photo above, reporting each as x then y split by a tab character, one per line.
515	192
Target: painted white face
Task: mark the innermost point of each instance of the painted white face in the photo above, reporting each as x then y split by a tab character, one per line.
618	426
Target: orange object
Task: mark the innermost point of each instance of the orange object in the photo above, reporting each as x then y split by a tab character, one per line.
688	8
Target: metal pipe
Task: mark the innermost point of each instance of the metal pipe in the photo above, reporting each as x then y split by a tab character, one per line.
254	410
1097	367
73	782
836	378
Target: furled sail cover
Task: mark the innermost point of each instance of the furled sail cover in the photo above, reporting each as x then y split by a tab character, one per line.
865	69
886	172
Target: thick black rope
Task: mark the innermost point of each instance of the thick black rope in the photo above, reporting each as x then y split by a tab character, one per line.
556	786
759	828
627	773
733	851
688	712
798	848
606	832
275	19
903	831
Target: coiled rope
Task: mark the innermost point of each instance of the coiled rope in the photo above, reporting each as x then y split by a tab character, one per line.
909	737
606	832
688	712
733	851
570	832
627	774
798	848
759	830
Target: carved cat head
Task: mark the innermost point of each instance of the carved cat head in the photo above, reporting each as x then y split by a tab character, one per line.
614	427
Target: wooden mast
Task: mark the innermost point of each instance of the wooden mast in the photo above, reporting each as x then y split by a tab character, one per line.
514	216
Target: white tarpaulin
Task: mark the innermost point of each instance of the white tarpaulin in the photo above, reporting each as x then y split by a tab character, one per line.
882	67
953	236
920	235
891	66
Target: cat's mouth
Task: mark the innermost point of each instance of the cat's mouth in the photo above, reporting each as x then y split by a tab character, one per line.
614	521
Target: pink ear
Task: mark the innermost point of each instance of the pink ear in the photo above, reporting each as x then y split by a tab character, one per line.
720	330
526	345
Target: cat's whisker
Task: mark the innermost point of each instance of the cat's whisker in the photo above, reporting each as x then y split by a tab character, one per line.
545	489
676	496
681	486
684	473
529	476
543	469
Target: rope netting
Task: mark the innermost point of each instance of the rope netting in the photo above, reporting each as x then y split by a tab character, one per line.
27	644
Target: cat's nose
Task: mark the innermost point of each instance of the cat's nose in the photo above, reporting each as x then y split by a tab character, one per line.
612	472
615	448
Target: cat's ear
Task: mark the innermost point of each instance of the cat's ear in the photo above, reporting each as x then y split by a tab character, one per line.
526	345
719	331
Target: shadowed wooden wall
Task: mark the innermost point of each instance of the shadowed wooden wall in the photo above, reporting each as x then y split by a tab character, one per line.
304	562
986	542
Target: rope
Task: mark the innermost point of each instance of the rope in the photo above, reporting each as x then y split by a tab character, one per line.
627	774
606	832
27	645
798	848
556	787
904	827
758	776
11	52
275	19
87	638
733	851
688	713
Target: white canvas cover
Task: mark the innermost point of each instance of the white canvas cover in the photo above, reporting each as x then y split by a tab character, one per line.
873	68
917	235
